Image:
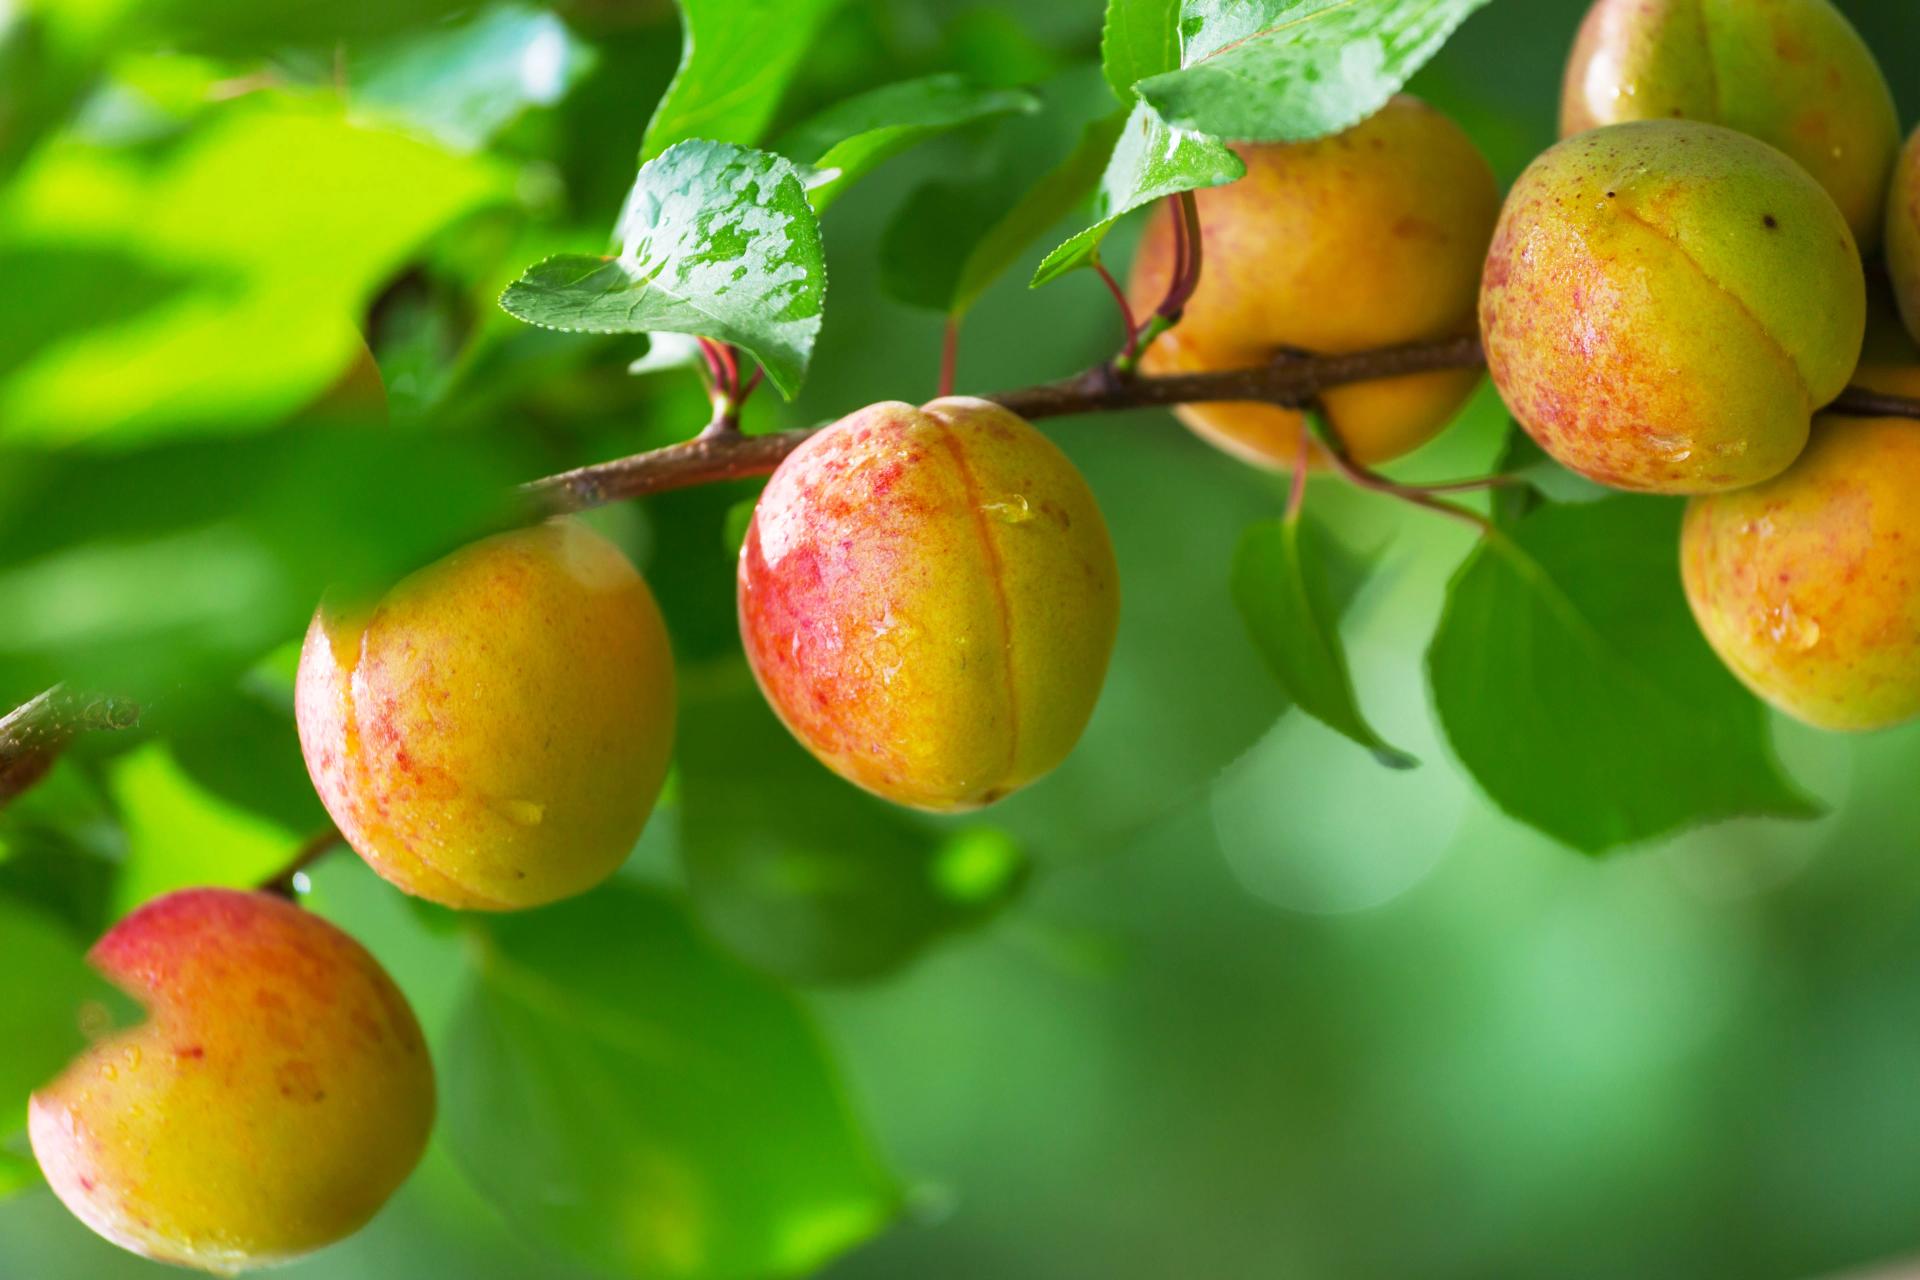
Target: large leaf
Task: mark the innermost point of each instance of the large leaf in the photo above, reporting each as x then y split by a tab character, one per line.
736	59
715	240
1288	70
1149	160
622	1089
1283	584
45	989
180	835
1140	38
850	138
1573	684
806	875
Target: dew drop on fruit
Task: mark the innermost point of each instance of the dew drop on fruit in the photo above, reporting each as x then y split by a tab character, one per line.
1011	510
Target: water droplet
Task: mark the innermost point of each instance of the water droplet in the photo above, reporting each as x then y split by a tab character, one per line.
1792	629
1012	510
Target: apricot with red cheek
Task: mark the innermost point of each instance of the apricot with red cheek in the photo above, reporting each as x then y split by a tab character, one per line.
1666	303
1903	234
1371	238
928	599
493	733
1792	73
1808	586
278	1092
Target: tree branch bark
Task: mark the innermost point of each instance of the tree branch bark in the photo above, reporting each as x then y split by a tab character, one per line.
33	734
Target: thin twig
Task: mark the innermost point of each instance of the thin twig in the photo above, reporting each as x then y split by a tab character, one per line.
33	735
949	356
311	851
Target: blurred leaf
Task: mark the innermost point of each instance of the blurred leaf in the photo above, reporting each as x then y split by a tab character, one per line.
241	308
45	988
1140	38
716	240
1291	70
247	754
621	1089
464	84
1149	161
180	835
851	138
1525	459
736	59
1281	578
242	27
990	46
1573	684
17	1173
806	875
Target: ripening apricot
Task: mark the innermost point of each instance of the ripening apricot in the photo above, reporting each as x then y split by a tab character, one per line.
493	733
1666	303
1903	234
278	1092
1792	73
928	599
1370	238
1808	586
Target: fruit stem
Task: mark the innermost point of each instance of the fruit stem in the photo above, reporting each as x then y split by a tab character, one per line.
1131	325
287	881
949	355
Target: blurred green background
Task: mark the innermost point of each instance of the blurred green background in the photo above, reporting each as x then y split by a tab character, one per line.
1262	1007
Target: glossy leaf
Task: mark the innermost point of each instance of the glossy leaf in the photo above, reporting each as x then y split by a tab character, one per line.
737	58
633	1096
1282	585
810	877
1140	38
715	240
1573	684
1289	70
851	138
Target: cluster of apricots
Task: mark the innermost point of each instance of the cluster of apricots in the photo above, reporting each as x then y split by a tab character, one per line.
928	596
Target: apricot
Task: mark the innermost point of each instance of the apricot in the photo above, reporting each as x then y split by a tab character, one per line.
928	599
1373	237
493	733
278	1092
1808	586
1903	234
1667	302
1792	73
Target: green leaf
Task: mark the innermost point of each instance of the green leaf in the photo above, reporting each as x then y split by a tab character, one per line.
464	84
716	240
46	989
1281	585
179	834
1573	684
736	59
17	1173
807	876
1149	160
620	1088
1527	461
851	138
1140	38
1291	70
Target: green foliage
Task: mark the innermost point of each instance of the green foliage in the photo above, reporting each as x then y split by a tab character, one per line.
715	240
624	1090
737	59
1140	38
1575	687
45	987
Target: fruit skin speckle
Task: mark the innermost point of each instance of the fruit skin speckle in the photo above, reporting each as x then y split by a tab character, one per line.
278	1092
1792	73
493	733
1371	238
928	598
1644	323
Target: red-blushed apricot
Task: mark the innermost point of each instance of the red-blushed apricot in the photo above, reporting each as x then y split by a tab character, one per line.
1370	238
1808	586
928	599
1792	73
1903	234
493	733
1666	303
278	1092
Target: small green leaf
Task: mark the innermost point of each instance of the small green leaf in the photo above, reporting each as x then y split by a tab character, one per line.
806	876
1574	685
1281	582
851	138
1150	160
1526	460
1291	70
1140	38
633	1096
737	58
715	240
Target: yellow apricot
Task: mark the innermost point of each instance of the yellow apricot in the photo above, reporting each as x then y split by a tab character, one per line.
278	1092
928	598
1370	238
494	732
1667	302
1792	73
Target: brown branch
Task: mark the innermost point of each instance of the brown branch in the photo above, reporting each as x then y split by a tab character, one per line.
310	852
33	735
